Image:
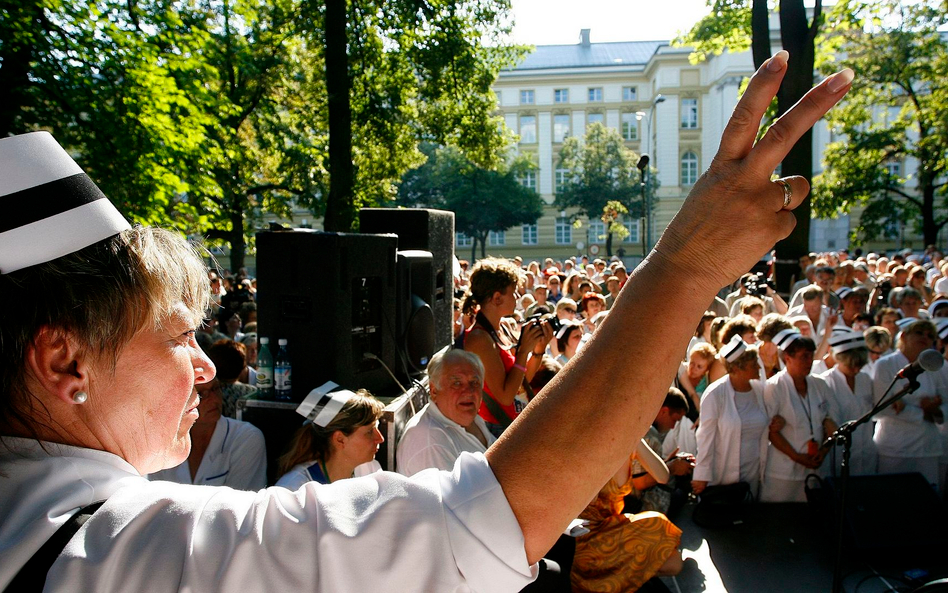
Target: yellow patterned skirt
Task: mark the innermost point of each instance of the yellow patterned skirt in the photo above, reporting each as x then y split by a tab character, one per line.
621	551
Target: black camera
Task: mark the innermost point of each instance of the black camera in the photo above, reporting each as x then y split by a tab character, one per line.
553	320
885	287
757	285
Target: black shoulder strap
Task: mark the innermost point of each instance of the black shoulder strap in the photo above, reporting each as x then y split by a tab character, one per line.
32	577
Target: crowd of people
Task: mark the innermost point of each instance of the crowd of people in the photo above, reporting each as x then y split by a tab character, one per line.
103	377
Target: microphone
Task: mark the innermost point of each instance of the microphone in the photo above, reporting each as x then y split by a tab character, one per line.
928	360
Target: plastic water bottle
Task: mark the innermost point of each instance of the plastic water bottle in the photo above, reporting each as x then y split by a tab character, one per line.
282	373
265	369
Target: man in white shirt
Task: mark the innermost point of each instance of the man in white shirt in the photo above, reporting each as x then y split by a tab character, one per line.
448	424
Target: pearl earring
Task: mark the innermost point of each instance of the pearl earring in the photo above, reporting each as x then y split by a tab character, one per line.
80	397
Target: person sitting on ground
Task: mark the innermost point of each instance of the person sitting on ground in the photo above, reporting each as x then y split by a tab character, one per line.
798	406
733	426
230	359
335	440
448	424
224	451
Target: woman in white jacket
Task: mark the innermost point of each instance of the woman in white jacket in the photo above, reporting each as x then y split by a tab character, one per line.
732	429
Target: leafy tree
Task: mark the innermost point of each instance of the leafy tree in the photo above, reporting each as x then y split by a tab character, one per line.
895	111
601	170
482	200
739	25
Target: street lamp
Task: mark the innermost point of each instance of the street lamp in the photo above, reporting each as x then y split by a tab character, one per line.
644	168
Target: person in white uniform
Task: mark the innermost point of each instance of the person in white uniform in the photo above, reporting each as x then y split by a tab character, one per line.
798	405
906	434
98	362
338	440
449	424
852	399
224	451
733	423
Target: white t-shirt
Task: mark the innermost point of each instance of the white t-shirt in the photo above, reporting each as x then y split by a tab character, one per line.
436	531
431	439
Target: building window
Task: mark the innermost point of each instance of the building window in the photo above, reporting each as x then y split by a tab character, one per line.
630	126
499	97
629	93
560	127
462	240
597	231
528	129
689	113
497	238
529	180
689	168
595	94
526	97
561	96
893	169
560	179
594	118
529	234
564	231
633	227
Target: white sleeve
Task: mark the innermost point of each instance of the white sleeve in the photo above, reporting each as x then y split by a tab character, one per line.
438	531
707	431
248	460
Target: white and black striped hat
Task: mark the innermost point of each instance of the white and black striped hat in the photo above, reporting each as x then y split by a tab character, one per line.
51	208
844	338
905	321
324	403
785	337
733	349
941	324
843	292
938	304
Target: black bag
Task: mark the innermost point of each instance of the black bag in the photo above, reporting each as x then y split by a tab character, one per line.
722	506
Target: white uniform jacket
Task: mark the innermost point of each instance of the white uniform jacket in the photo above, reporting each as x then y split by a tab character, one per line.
431	439
906	433
802	424
438	531
847	405
719	434
235	457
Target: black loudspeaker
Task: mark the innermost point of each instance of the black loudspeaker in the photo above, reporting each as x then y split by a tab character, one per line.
332	295
425	230
893	512
416	323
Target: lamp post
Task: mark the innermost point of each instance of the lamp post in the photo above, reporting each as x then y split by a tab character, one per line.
647	244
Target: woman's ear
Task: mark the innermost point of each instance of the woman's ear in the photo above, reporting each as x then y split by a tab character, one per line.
55	363
338	439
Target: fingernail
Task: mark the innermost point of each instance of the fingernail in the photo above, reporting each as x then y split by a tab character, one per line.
838	81
779	60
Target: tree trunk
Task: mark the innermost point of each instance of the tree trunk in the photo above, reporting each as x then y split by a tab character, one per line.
473	251
238	245
340	205
929	227
760	32
483	246
797	36
16	53
609	244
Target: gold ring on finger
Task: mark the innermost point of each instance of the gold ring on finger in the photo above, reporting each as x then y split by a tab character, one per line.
787	192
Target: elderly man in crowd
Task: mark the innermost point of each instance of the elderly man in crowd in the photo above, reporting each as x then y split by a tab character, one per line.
448	425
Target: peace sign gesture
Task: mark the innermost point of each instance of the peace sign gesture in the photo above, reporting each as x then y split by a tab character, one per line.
735	213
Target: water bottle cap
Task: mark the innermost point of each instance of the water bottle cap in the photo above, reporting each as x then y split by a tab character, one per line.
264	340
282	341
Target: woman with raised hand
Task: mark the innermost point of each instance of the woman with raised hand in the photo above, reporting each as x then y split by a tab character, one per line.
88	406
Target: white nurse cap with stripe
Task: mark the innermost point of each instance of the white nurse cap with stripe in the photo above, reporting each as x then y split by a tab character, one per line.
324	403
51	207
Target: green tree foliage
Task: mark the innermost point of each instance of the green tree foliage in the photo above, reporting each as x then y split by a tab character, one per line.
895	111
483	200
203	116
601	170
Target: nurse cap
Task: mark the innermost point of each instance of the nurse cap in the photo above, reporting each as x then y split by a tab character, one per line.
51	208
733	349
324	403
785	337
843	291
905	321
938	304
941	324
846	339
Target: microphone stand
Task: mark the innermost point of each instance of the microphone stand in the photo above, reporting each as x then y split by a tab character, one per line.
843	435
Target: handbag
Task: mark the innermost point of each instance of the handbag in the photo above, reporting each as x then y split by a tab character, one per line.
723	505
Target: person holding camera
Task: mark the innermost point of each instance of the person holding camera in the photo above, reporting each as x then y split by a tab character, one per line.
507	362
759	286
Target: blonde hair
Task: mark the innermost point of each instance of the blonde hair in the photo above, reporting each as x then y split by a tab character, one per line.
312	441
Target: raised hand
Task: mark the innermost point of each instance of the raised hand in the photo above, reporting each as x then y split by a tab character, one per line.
735	213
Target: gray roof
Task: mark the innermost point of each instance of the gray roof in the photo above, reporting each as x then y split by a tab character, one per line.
623	53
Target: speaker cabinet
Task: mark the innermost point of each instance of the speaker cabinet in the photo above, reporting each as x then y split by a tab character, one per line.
332	296
416	322
425	230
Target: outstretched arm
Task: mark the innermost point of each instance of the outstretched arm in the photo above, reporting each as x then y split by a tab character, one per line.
560	451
